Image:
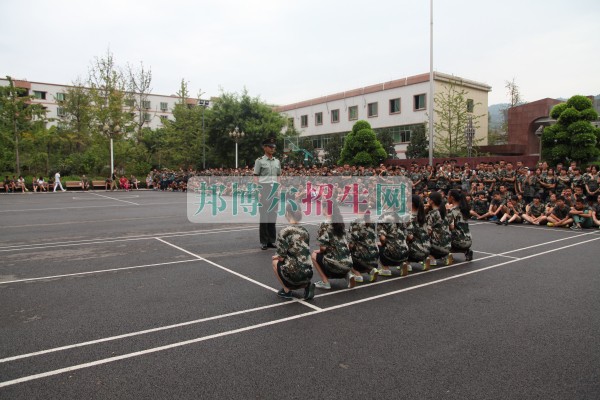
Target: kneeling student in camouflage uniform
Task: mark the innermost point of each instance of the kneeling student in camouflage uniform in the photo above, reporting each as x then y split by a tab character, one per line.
417	237
394	249
292	264
458	216
333	259
438	228
362	241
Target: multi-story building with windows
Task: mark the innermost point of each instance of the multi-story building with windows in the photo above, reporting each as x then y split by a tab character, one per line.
154	110
399	106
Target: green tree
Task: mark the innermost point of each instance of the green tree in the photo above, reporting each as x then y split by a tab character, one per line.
386	139
183	141
255	118
418	147
333	149
573	137
77	115
140	81
17	115
453	111
361	147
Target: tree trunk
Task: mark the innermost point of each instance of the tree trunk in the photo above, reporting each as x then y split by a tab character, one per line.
18	161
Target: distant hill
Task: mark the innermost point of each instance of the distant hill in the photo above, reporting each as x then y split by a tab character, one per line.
496	117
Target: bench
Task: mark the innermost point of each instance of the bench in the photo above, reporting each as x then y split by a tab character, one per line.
72	184
96	184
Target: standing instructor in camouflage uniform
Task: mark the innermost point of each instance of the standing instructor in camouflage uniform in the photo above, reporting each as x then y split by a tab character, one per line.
267	171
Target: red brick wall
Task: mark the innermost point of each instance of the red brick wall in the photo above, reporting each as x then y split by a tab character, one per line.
521	129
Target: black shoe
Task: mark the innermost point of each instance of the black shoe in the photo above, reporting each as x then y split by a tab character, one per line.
271	246
498	222
263	246
285	295
309	291
469	255
505	223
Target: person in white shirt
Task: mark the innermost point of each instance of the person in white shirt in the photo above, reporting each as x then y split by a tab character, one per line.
57	182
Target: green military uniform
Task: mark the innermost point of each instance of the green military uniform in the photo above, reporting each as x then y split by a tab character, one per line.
440	234
293	247
337	260
267	170
536	210
363	240
481	207
461	239
395	250
419	248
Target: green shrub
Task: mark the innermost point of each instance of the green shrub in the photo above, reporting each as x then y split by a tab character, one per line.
557	110
589	115
362	158
562	137
579	127
549	135
360	125
569	116
584	139
560	152
584	153
579	102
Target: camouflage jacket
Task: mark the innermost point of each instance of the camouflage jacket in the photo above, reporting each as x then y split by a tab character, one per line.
460	235
363	239
293	247
538	210
420	246
337	255
440	233
396	248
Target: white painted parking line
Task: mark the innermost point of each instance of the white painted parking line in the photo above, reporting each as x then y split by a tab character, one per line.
114	198
41	278
493	254
270	323
119	239
58	208
219	266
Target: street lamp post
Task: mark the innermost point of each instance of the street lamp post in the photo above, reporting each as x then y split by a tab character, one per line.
203	104
111	131
538	133
236	135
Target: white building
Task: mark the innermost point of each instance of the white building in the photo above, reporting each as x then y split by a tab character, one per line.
155	109
398	105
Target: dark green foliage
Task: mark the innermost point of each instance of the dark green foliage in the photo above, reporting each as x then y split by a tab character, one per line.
387	142
557	110
579	102
361	147
333	150
573	137
419	143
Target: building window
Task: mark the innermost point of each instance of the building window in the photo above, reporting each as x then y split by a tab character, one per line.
352	113
130	102
164	118
420	102
60	111
319	118
394	106
147	117
372	110
291	123
303	121
39	95
401	134
470	105
335	116
164	106
61	97
146	104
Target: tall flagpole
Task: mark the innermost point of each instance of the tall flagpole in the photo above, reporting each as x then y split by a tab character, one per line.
431	94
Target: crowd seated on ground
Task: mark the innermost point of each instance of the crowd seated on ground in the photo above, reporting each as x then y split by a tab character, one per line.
563	196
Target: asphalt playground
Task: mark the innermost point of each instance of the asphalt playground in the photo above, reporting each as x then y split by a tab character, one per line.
116	295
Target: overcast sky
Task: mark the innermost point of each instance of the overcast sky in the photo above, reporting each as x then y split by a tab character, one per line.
290	50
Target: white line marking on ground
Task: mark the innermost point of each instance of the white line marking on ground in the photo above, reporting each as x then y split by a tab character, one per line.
269	323
219	266
96	272
114	198
118	239
493	254
88	221
146	331
60	208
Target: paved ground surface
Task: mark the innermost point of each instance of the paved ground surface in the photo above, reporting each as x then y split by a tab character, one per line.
116	295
